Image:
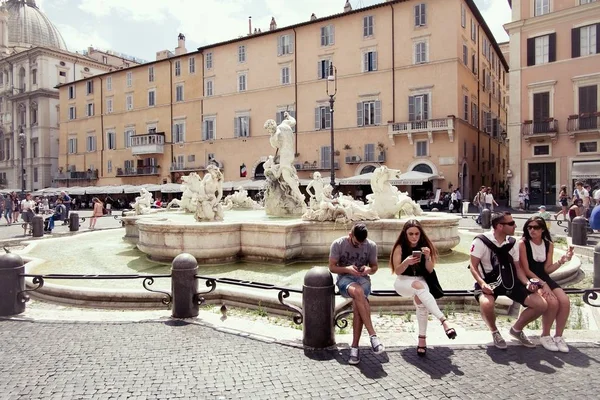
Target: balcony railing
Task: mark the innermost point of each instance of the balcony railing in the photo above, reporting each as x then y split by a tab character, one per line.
139	171
539	128
427	126
315	166
583	123
187	167
150	143
77	175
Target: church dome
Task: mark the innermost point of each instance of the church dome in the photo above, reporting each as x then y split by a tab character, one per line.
28	26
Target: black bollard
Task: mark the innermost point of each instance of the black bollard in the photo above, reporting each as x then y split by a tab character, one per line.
579	228
318	307
184	286
597	266
486	218
11	283
37	226
74	222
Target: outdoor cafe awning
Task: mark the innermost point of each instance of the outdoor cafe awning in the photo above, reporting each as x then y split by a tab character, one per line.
586	170
407	178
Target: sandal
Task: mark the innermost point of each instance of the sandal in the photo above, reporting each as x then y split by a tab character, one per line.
422	350
450	332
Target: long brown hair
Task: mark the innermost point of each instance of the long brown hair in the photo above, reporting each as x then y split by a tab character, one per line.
403	242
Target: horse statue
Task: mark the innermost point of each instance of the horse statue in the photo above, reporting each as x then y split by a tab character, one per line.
191	185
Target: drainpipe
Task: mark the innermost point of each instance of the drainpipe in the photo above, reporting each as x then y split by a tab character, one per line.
101	169
393	67
202	105
296	90
478	105
171	110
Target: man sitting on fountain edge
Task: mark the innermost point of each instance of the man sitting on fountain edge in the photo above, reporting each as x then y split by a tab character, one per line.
353	258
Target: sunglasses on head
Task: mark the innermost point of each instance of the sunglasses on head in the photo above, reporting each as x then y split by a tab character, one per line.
511	223
534	227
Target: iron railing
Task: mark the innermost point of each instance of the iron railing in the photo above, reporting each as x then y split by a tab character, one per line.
539	128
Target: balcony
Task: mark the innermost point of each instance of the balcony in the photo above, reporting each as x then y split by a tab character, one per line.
175	167
150	143
540	129
315	166
353	159
585	123
426	126
77	176
139	171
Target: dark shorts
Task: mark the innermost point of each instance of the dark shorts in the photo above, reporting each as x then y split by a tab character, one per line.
564	202
518	293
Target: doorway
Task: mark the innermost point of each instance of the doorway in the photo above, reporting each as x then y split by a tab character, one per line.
542	184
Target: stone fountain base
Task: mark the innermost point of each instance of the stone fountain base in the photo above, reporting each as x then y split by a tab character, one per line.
250	235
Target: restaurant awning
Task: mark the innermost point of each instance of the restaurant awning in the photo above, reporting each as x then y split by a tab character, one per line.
586	170
171	188
407	178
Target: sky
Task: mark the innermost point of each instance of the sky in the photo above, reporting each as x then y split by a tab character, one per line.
140	28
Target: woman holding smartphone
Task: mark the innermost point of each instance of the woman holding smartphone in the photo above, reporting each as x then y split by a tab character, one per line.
412	260
536	252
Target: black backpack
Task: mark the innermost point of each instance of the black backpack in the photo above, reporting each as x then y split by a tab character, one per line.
503	269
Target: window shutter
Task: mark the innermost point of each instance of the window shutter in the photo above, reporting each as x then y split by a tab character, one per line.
411	108
280	45
204	129
417	15
374	61
377	112
530	52
597	38
247	126
365	61
423	15
320	69
426	106
327	117
236	127
331	35
317	118
576	43
552	47
359	114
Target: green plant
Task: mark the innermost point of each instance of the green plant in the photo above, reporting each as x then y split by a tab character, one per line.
260	311
347	147
380	312
407	317
579	322
578	301
536	324
449	309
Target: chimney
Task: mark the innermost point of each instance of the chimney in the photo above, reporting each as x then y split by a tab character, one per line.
273	25
348	6
180	49
313	17
250	25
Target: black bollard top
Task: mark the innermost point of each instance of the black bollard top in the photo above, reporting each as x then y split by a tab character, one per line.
10	261
318	277
579	221
184	261
597	248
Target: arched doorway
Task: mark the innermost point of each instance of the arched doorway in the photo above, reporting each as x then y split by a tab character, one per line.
367	169
259	171
426	189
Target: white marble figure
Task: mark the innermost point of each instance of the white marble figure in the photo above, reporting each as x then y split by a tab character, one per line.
386	200
142	203
240	201
282	194
342	209
208	206
316	194
189	199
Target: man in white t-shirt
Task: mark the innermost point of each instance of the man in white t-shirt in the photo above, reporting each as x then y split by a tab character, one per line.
498	273
27	213
581	193
597	196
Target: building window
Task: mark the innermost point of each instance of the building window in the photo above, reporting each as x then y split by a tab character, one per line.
179	93
111	140
541	111
151	98
179	132
72	145
89	87
542	48
129	102
323	68
466	108
420	52
178	68
128	134
325	156
33	77
209	60
368	25
209	88
322	118
327	35
421	148
72	92
241	54
420	15
285	75
586	1
369	61
89	109
368	113
588	40
109	105
109	166
209	128
418	107
369	152
129	79
90	144
541	150
463	16
242	82
192	65
588	147
35	174
241	126
465	54
473	30
285	45
62	73
150	74
72	112
109	83
541	7
33	115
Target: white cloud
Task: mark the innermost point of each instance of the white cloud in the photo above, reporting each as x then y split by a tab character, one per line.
496	13
77	40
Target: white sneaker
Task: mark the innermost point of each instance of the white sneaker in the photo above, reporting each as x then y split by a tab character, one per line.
560	344
354	357
548	343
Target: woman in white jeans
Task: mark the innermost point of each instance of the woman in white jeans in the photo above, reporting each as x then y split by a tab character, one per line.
412	260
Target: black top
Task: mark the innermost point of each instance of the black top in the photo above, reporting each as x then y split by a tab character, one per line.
537	267
416	269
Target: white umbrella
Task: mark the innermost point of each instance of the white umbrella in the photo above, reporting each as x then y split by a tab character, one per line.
171	188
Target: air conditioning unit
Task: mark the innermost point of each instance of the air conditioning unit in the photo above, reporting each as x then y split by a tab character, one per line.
298	166
349	159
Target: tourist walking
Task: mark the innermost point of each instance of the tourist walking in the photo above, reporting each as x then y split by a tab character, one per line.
496	270
563	200
8	208
536	252
16	207
521	199
97	211
489	200
526	198
479	201
413	260
354	258
27	213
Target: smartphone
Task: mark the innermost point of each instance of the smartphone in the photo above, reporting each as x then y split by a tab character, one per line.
416	254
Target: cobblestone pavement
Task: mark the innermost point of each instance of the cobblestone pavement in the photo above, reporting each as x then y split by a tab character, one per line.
177	359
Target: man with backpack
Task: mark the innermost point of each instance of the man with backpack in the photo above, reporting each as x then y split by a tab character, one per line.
479	201
495	267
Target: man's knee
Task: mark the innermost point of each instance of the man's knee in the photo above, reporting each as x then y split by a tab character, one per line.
357	293
486	302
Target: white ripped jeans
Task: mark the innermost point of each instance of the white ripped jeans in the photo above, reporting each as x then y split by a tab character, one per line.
403	286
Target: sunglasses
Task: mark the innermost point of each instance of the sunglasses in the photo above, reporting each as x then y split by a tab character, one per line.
511	223
534	227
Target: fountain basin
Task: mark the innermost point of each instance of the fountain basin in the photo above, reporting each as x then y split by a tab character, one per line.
250	235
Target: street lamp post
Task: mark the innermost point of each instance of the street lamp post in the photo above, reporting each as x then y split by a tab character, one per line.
332	82
22	144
